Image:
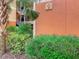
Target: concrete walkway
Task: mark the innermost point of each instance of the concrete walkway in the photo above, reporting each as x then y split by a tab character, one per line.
10	56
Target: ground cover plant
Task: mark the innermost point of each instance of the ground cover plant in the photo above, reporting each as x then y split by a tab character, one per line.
53	47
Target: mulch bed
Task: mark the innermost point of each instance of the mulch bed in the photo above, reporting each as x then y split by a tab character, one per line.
10	56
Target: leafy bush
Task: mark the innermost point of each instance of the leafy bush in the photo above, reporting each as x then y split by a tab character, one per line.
11	29
53	47
21	29
18	36
25	29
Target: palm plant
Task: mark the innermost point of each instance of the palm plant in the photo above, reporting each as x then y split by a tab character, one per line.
4	11
28	6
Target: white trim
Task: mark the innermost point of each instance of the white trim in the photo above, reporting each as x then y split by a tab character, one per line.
34	28
34	23
29	22
34	7
42	1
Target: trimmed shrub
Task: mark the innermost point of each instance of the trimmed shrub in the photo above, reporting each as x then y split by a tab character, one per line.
53	47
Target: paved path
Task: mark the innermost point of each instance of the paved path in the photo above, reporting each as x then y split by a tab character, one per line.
10	56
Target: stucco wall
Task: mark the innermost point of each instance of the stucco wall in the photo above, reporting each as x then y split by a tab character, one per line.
12	15
63	19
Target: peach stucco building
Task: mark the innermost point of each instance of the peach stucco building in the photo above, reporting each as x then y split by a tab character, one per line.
12	15
62	18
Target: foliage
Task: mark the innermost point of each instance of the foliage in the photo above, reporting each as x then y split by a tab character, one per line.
26	3
25	29
29	12
53	47
18	36
16	42
11	29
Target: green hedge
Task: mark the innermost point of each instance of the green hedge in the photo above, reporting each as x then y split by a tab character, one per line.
53	47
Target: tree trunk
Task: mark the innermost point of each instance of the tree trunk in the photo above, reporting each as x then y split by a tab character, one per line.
1	45
3	24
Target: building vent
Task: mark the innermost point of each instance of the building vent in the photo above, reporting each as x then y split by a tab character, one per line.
49	6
